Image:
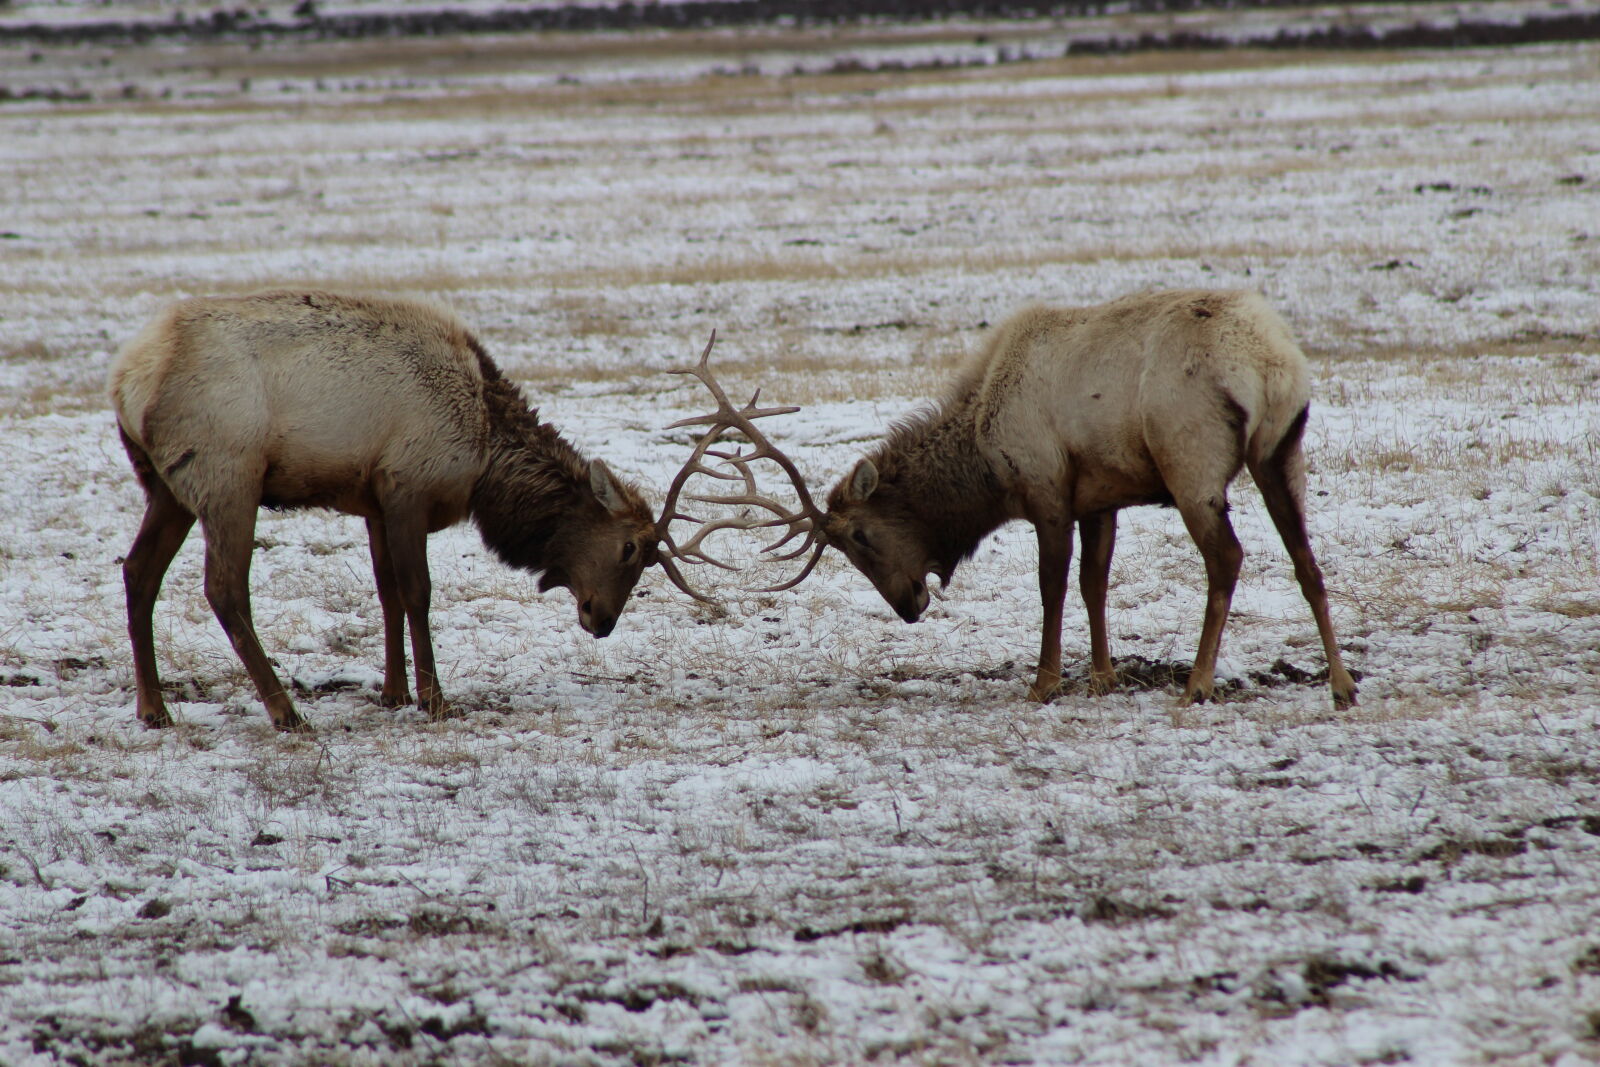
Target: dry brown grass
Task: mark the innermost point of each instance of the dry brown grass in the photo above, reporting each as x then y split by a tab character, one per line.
18	351
1437	359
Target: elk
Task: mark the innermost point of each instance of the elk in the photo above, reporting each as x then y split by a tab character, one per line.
383	408
1067	416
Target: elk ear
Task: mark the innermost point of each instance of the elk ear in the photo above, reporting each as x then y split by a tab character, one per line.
861	482
606	489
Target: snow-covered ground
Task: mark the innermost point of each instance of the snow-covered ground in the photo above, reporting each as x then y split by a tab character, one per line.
796	830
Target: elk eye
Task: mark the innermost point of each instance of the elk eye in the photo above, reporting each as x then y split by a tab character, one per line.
860	538
627	551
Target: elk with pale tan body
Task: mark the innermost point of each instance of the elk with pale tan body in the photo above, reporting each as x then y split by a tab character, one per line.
1066	417
383	408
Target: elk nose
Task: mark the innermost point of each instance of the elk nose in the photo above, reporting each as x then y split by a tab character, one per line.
911	607
919	600
599	623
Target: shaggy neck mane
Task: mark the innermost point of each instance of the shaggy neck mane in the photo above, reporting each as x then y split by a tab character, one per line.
929	468
532	479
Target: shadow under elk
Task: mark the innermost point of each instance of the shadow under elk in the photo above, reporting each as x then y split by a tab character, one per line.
383	408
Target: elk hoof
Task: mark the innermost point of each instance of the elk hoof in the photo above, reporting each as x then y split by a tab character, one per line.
156	718
1345	699
291	722
1044	692
1101	684
392	700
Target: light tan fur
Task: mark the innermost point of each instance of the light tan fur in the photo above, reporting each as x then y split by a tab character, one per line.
1070	414
384	408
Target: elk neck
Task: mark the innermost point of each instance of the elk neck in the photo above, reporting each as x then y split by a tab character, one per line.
534	483
936	476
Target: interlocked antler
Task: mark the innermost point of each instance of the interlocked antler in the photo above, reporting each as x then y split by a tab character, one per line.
807	520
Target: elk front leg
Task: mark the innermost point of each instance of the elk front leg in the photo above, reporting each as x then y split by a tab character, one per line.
1055	556
408	556
1098	534
394	692
166	523
229	540
1208	524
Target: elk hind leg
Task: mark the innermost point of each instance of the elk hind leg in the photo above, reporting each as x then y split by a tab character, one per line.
1098	534
395	692
1207	521
1199	449
230	532
1282	481
166	524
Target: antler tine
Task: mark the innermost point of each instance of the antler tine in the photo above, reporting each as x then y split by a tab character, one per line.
702	371
690	551
741	463
797	521
765	449
784	557
807	520
722	417
678	580
797	579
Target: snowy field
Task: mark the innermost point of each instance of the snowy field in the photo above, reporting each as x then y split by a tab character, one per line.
794	830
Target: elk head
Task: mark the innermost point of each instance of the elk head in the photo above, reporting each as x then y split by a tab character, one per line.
868	523
600	560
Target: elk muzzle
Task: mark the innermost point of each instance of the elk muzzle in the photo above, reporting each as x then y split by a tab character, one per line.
908	597
597	619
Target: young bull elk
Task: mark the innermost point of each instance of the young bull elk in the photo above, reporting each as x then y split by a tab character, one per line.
1068	416
382	408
